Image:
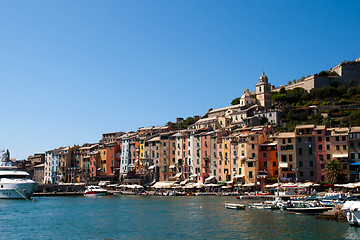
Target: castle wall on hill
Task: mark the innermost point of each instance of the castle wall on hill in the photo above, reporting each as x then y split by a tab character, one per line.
347	72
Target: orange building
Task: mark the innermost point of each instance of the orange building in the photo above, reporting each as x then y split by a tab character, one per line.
268	163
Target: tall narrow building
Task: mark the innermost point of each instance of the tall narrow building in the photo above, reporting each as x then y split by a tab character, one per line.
263	92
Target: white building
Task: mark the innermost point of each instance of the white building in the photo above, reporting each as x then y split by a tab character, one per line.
51	168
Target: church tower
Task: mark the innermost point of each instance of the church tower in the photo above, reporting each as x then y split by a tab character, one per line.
263	92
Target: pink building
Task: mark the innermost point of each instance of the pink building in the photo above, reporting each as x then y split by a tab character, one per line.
205	153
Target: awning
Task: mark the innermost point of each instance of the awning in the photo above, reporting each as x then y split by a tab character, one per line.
341	155
272	185
289	185
305	185
248	184
151	167
194	175
163	185
178	175
172	166
283	165
184	182
239	176
210	179
355	164
211	185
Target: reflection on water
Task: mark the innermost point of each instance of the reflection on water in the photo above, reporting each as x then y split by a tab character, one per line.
151	217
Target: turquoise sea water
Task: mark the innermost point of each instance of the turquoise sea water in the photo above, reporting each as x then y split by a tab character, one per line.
151	217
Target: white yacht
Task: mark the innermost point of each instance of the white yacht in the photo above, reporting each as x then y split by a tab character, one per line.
14	183
352	209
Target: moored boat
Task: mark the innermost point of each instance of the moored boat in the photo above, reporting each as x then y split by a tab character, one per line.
14	184
235	206
352	209
94	191
312	208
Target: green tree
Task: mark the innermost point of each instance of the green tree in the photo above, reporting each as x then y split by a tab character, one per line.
263	120
235	101
334	172
354	118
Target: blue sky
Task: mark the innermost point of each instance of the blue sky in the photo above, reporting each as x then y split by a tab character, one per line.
72	70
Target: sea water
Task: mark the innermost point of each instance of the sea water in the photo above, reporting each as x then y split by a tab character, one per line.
156	217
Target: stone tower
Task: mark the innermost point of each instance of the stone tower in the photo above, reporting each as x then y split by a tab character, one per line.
263	92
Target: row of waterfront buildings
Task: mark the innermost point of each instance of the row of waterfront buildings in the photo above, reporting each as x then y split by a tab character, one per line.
245	155
227	144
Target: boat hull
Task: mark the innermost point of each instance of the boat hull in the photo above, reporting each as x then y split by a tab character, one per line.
311	210
17	189
94	194
235	206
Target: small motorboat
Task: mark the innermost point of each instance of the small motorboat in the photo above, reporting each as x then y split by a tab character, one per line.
352	209
94	191
235	206
239	197
307	208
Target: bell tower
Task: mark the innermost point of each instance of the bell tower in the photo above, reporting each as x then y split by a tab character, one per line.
263	92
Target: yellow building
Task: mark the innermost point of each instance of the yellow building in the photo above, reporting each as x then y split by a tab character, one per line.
226	159
102	165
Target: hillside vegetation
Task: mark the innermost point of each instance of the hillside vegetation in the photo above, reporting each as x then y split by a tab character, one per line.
340	103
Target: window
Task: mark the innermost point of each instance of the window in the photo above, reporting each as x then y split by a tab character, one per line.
283	158
328	156
310	151
265	164
250	174
337	139
327	147
264	155
253	155
301	174
319	139
300	163
321	158
320	147
352	145
274	163
283	141
289	140
337	147
250	164
311	173
290	158
343	138
197	161
328	139
311	163
300	151
322	166
344	147
299	139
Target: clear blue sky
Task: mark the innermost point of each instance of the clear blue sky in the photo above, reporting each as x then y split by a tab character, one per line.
72	70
